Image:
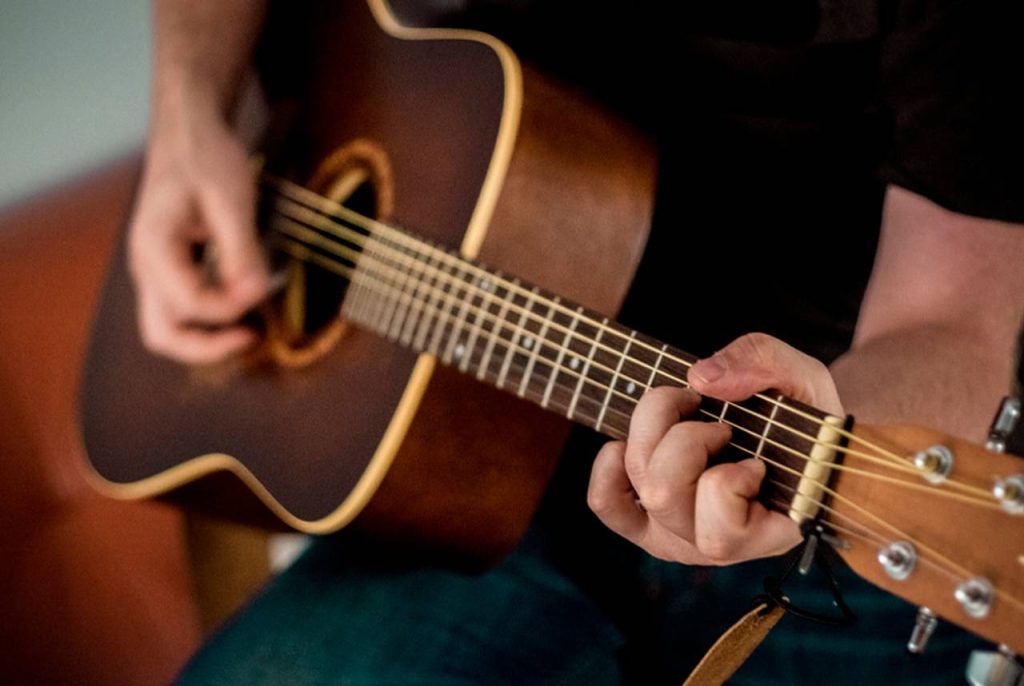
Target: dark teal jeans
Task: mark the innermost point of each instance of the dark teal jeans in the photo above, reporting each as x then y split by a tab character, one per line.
572	605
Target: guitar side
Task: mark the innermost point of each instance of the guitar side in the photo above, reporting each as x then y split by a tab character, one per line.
481	153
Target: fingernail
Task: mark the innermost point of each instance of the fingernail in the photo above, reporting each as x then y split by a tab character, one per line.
755	465
708	370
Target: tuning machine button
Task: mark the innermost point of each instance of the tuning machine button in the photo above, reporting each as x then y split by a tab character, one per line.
976	595
898	559
1010	493
994	668
924	627
935	463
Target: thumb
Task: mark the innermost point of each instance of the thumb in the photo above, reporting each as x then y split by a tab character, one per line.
229	207
756	362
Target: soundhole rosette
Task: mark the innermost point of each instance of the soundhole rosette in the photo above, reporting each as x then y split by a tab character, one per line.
305	318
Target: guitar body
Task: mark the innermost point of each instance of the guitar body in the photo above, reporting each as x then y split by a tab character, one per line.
461	144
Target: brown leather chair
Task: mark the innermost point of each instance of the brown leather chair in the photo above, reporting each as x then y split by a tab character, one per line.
92	591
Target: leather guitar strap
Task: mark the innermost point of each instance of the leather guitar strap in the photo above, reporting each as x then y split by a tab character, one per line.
733	647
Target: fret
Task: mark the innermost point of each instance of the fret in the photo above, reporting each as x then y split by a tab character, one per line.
656	365
475	329
517	333
487	328
562	350
405	299
410	285
767	428
390	302
721	415
384	286
354	297
586	368
673	372
541	342
433	311
444	311
408	328
614	381
495	332
366	309
463	297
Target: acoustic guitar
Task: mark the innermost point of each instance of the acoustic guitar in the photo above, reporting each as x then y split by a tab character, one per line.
432	410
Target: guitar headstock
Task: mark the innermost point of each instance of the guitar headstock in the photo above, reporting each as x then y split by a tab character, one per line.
937	521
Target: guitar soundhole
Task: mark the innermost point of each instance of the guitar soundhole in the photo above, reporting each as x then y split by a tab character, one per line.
306	322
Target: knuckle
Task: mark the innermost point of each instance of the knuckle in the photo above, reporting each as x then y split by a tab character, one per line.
714	480
658	498
757	347
683	437
151	340
158	340
598	501
657	396
717	548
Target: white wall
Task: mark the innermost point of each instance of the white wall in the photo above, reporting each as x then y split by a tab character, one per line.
74	78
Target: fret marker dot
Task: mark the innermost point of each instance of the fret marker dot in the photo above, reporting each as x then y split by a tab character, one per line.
485	285
527	342
631	388
459	351
574	363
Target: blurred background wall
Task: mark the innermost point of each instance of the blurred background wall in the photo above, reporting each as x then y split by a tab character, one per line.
74	79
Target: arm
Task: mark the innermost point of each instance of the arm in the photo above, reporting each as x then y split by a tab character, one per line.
934	342
196	187
933	346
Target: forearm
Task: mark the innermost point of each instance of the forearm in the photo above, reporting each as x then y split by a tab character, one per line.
202	49
939	376
934	343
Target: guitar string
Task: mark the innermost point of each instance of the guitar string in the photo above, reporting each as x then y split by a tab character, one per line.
836	496
313	237
871	537
765	438
882	541
958	572
902	534
299	251
334	210
563	370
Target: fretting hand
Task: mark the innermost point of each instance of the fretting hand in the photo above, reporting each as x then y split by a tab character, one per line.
654	488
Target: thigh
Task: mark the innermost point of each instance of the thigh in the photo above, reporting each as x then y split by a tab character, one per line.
700	603
338	616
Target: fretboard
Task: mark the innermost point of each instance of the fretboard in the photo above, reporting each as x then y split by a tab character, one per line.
527	341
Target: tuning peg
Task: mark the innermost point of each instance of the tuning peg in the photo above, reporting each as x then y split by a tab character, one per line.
994	668
924	627
1004	424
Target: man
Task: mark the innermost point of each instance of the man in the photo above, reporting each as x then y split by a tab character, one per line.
794	123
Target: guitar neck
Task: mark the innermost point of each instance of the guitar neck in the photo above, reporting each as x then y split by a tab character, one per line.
523	339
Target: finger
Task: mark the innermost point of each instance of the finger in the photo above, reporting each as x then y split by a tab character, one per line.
229	208
161	258
161	334
658	410
669	488
178	283
612	499
730	525
756	362
610	494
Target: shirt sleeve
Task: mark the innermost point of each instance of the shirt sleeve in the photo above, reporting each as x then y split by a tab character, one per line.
952	75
